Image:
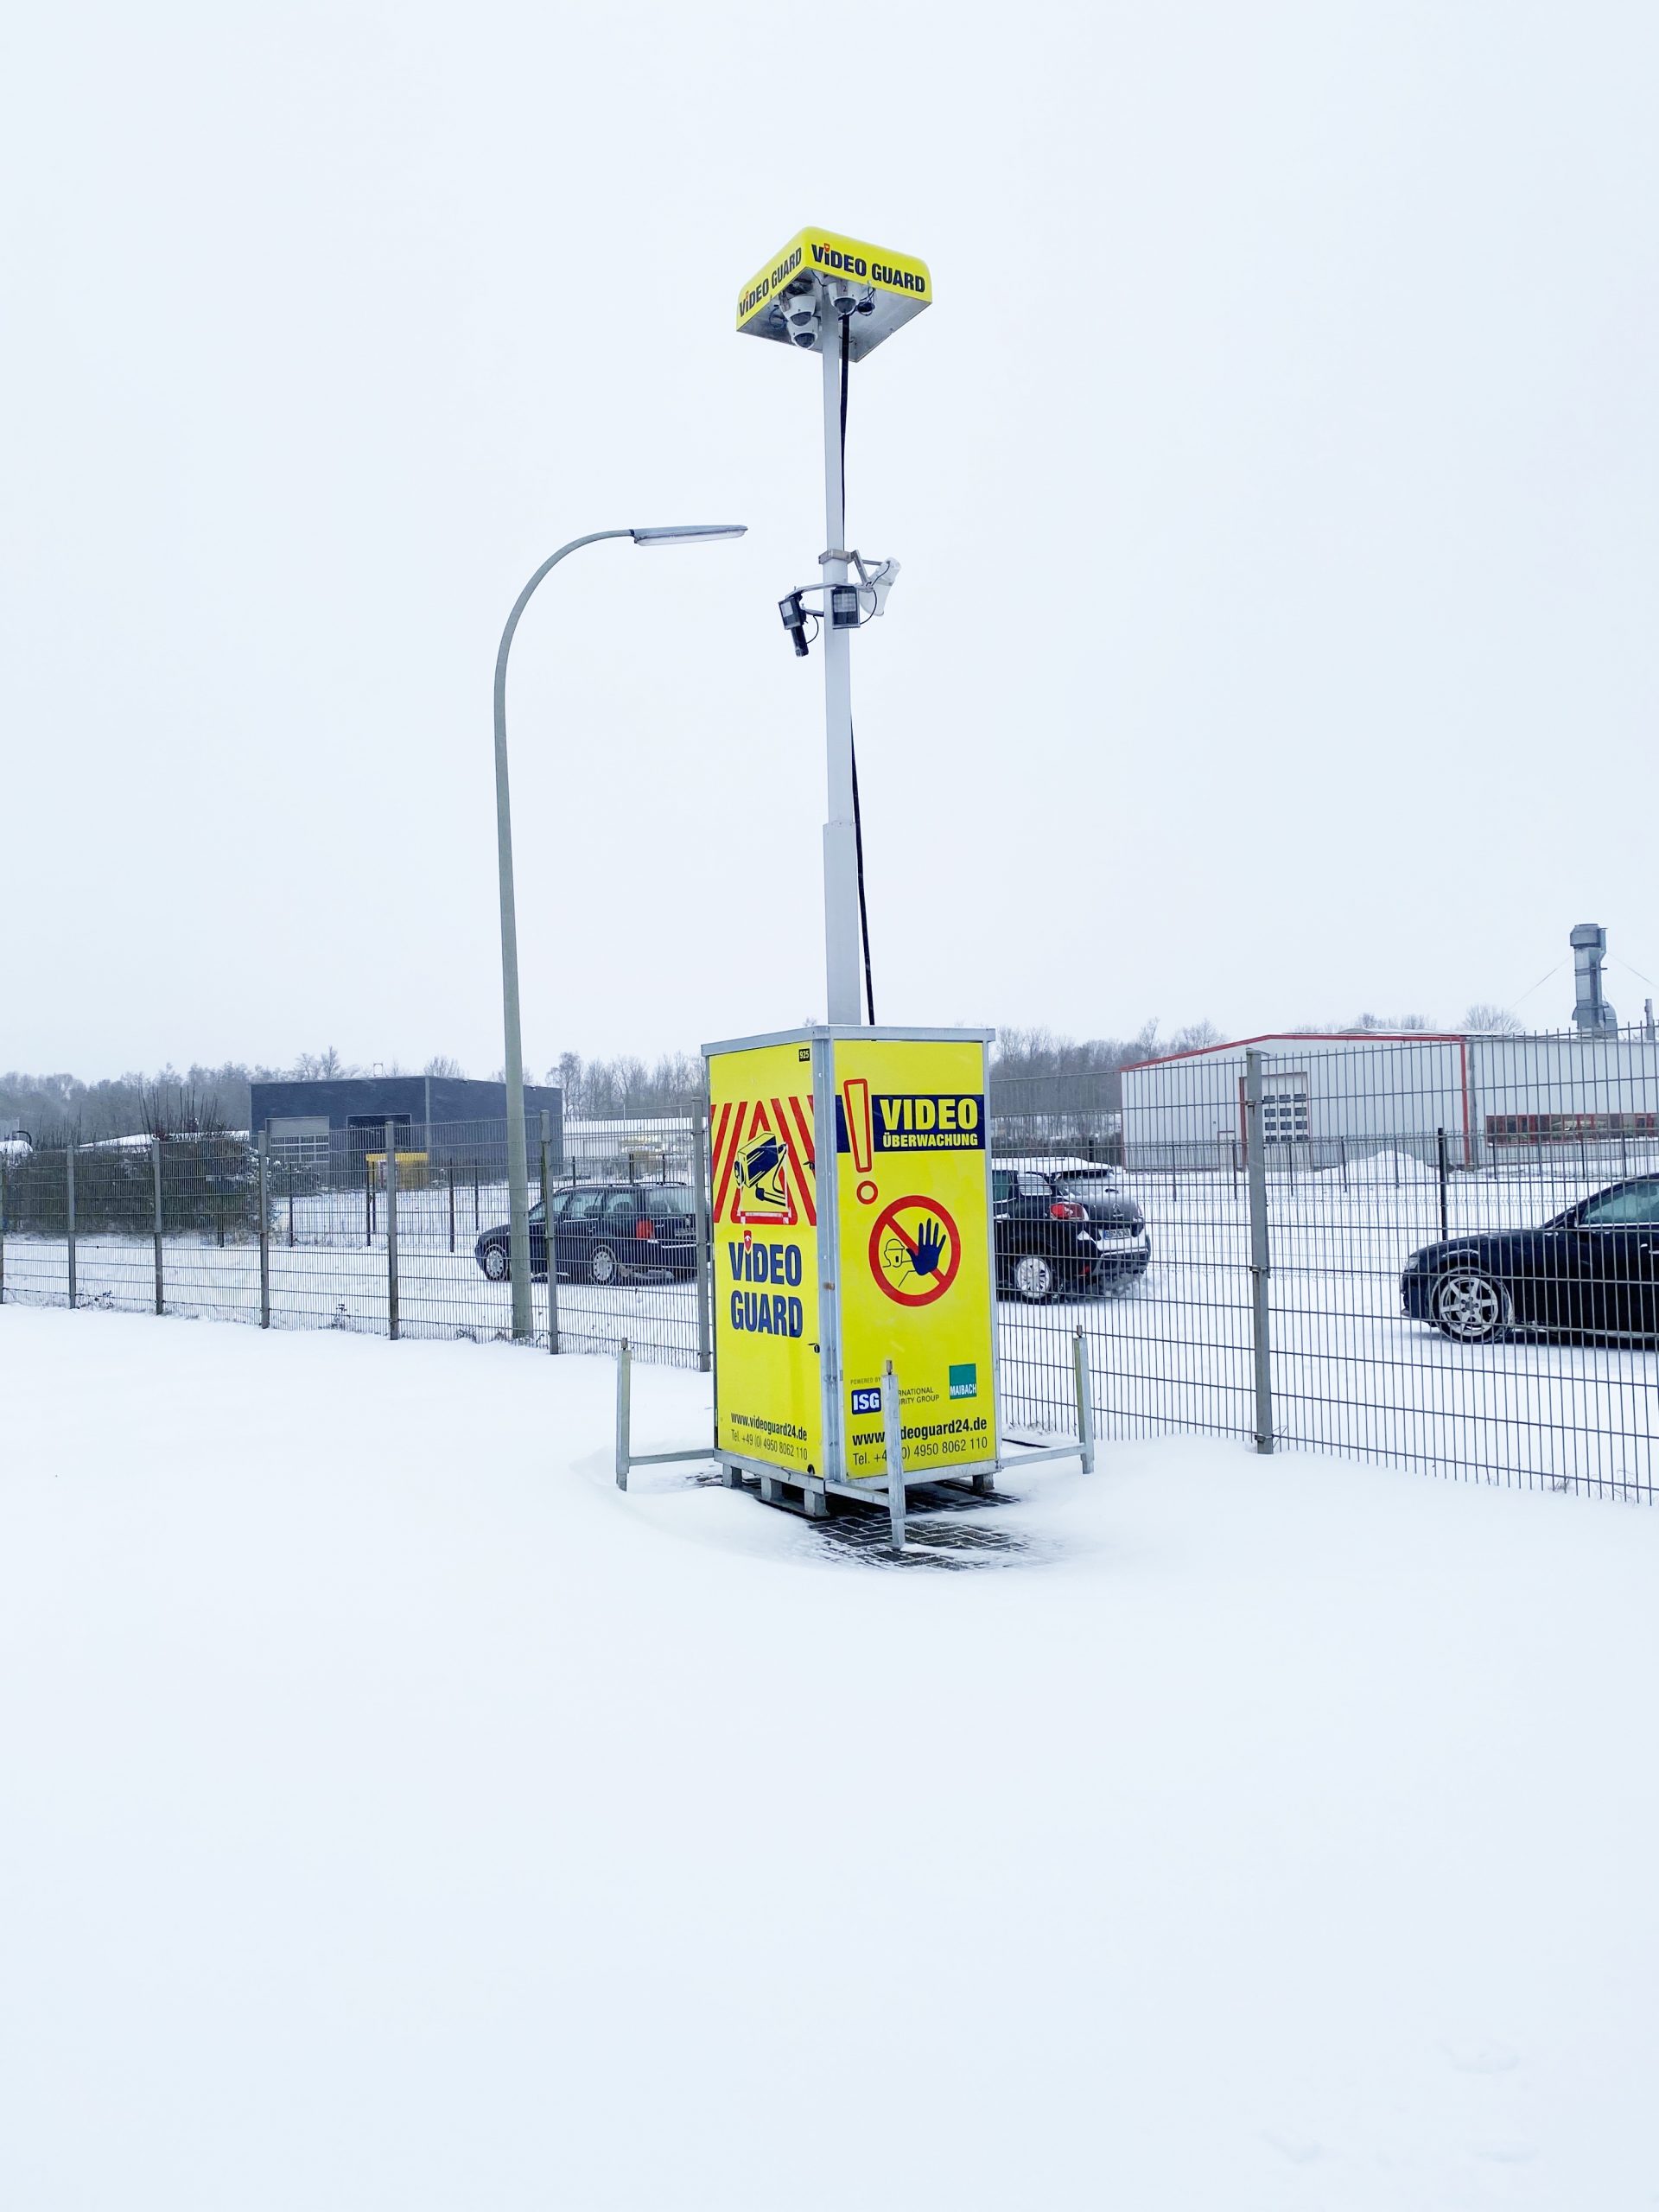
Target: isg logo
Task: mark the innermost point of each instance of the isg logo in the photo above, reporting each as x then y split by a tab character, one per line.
867	1401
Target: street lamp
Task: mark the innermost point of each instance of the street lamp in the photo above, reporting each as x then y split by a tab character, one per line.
517	1163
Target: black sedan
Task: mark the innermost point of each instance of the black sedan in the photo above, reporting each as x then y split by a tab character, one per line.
1088	1235
1593	1268
603	1231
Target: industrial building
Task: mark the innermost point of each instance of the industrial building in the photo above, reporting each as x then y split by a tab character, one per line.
1326	1097
301	1120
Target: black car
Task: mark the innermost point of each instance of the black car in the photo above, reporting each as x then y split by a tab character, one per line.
1594	1268
602	1231
1089	1235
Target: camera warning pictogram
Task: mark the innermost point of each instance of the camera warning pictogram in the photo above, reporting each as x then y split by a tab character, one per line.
915	1251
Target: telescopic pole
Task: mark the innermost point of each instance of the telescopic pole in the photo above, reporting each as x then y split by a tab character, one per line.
840	932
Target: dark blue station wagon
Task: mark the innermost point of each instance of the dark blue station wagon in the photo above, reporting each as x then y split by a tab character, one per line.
603	1232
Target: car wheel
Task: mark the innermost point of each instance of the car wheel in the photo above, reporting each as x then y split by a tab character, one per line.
1470	1305
602	1264
496	1264
1033	1278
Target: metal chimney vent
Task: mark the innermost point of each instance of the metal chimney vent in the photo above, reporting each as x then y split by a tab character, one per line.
1589	942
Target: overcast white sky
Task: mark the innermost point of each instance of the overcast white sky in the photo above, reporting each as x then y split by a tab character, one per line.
1274	481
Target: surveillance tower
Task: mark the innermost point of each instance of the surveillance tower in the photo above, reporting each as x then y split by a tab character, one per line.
839	298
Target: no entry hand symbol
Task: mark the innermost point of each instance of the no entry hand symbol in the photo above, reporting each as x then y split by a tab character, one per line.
914	1251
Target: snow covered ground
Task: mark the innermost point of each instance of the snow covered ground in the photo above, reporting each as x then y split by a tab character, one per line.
343	1286
395	1815
1351	1373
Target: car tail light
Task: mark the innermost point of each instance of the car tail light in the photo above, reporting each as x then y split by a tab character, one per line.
1068	1209
644	1233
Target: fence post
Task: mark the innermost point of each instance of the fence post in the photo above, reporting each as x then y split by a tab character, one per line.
157	1228
1086	1399
705	1249
392	1231
452	1206
1342	1156
69	1210
3	1232
547	1237
893	1425
1260	1253
290	1165
624	1413
264	1236
1440	1152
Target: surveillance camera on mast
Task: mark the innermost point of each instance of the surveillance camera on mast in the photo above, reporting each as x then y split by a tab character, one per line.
849	606
871	289
839	298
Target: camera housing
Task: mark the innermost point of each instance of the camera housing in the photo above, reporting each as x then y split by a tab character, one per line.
800	306
792	615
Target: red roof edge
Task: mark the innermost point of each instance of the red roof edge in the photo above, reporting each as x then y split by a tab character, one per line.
1305	1037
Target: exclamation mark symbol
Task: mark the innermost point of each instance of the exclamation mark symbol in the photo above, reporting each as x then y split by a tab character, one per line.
856	1094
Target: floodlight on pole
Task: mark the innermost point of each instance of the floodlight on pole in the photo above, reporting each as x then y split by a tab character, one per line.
518	1149
840	298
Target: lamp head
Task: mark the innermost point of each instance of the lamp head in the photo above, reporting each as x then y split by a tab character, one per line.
686	533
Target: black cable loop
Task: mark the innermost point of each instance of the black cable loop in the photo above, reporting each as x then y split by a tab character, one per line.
858	812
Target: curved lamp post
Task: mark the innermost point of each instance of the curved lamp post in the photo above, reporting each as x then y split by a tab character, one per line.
518	1161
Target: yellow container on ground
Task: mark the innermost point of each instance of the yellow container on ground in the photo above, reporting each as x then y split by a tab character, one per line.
819	1280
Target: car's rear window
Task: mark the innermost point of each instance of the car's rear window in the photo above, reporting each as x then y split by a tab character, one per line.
1089	1187
668	1201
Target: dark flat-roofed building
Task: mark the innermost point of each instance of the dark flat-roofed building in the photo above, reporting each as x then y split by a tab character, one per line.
301	1121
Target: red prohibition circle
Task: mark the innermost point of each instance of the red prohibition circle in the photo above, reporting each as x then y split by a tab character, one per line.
887	1218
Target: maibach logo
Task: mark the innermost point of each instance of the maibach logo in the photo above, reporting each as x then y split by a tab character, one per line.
965	1381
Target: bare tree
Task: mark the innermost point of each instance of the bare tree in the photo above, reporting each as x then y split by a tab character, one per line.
320	1067
625	1088
1196	1037
1383	1024
1492	1020
444	1063
172	1109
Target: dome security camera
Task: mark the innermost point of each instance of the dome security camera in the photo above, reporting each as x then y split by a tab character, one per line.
801	311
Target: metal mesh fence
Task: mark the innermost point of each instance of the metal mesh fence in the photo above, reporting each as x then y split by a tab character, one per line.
1153	1265
352	1241
1438	1251
1471	1285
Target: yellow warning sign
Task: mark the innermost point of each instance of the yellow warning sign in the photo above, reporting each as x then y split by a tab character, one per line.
914	1262
763	1209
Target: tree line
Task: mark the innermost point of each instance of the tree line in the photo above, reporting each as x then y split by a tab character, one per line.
1026	1066
197	1101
